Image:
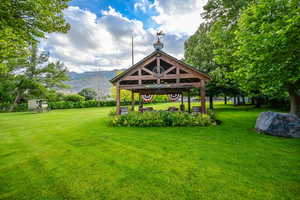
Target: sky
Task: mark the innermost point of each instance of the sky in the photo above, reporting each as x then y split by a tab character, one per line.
101	30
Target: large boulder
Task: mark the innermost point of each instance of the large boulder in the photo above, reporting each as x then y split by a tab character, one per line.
278	124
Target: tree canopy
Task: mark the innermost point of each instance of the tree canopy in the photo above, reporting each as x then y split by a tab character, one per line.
22	23
88	93
34	76
250	47
268	48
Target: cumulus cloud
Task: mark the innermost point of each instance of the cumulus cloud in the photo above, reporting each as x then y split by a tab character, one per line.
143	5
105	42
177	16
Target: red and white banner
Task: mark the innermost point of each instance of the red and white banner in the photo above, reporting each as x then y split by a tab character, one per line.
147	97
174	97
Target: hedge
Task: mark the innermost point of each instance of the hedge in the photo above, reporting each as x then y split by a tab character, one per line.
162	118
80	104
4	107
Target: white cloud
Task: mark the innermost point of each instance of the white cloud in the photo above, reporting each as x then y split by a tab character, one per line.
105	42
178	16
93	42
143	5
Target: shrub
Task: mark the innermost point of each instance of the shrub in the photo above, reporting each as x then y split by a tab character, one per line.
88	93
80	104
74	97
4	107
163	118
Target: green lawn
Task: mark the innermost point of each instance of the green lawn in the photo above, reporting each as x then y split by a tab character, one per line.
73	154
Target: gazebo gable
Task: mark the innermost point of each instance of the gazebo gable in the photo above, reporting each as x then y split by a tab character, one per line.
160	68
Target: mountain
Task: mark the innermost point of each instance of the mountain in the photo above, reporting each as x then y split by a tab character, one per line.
98	80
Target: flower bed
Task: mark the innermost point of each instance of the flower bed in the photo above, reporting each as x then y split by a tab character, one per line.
162	118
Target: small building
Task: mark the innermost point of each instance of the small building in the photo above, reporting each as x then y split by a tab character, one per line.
160	73
37	105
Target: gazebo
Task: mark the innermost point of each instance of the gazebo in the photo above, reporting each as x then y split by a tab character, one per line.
158	74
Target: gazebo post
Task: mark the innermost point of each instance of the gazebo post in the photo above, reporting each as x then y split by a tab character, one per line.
140	103
202	97
132	100
118	109
189	101
182	105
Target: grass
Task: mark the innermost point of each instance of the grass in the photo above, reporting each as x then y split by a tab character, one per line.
73	154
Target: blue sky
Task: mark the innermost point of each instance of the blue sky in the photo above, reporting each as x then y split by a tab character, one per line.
126	7
101	30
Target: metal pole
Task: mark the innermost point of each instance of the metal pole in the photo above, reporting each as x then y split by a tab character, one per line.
132	52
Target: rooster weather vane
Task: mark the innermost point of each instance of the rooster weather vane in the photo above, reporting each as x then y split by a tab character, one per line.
158	45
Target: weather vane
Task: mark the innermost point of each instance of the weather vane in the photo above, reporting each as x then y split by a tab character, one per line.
158	45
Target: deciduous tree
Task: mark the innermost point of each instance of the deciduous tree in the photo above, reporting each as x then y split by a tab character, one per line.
23	22
268	48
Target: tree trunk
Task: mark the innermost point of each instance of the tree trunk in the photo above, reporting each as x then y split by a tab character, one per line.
234	100
295	102
225	100
238	100
257	102
211	102
17	99
243	100
252	101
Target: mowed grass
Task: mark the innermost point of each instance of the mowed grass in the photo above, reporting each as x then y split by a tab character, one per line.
74	154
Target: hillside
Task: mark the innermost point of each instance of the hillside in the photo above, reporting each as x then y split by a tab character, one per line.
98	80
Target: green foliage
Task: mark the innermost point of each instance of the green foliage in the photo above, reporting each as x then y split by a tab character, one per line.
22	107
161	118
22	23
80	104
73	97
36	77
268	51
88	93
200	51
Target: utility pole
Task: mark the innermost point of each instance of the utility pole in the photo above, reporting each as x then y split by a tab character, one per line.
132	53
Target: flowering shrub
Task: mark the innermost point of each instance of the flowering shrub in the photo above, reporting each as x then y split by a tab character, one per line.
161	118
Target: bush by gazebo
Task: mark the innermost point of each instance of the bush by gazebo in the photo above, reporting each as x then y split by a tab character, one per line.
162	118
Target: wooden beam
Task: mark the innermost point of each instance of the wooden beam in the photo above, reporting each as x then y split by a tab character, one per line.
132	101
147	70
172	86
158	68
182	104
118	105
170	69
177	74
140	103
202	97
150	77
185	68
140	74
168	91
143	77
139	67
189	101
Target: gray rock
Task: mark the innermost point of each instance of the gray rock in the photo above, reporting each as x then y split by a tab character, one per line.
278	124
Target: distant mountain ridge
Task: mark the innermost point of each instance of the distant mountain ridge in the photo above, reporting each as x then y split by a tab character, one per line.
98	80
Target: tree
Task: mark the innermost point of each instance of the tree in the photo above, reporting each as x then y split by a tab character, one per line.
73	97
88	93
268	49
200	52
223	16
33	77
22	23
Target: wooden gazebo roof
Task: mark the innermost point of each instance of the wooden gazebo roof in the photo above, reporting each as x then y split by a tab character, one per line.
160	73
